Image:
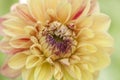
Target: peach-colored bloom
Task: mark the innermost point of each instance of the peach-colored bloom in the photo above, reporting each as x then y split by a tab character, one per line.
60	39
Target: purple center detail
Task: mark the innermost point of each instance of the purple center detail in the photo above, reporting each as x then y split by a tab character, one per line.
63	46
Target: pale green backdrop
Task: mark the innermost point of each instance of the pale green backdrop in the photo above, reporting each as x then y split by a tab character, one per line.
110	7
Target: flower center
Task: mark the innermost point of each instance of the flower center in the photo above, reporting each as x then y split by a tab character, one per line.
58	38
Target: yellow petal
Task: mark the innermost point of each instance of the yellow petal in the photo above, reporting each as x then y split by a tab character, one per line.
37	9
101	22
64	11
14	27
86	75
58	72
67	73
96	61
85	34
18	61
86	48
102	60
85	22
44	72
32	61
102	39
28	74
51	4
77	71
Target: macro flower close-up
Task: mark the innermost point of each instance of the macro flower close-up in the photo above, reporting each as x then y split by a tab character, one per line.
55	39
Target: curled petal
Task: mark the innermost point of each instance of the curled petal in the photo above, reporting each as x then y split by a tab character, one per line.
33	61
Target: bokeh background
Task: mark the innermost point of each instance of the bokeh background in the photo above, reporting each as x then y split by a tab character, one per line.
110	7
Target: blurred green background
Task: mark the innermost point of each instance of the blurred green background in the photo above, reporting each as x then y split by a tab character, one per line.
110	7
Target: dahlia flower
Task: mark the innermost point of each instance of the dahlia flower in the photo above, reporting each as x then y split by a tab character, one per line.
55	39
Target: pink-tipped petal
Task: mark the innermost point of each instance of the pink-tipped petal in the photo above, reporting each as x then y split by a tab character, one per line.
94	7
6	48
5	70
80	11
23	12
1	26
20	42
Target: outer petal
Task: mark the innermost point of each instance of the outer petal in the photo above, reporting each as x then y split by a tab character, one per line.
64	11
86	75
28	74
43	72
102	39
76	5
101	22
37	9
7	71
20	42
51	4
14	27
6	48
23	12
18	61
82	10
96	61
94	7
1	26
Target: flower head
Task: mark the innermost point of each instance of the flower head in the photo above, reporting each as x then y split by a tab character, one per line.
60	39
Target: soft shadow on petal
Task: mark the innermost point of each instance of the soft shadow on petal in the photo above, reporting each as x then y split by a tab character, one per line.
32	61
101	22
28	74
63	11
18	61
44	72
37	8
